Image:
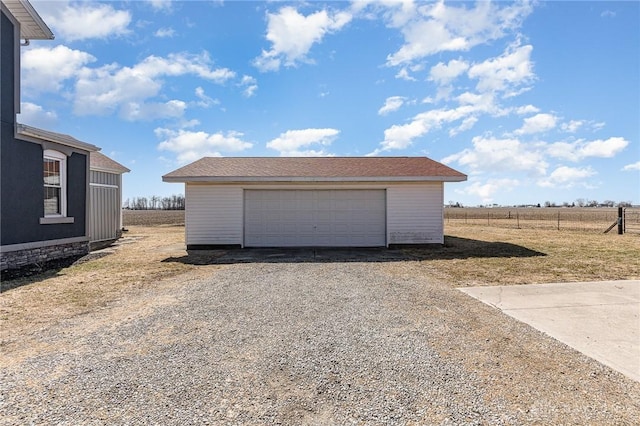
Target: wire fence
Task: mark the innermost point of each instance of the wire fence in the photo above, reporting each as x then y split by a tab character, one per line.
632	220
576	219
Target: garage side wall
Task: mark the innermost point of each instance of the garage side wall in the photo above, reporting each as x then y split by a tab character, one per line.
213	215
414	213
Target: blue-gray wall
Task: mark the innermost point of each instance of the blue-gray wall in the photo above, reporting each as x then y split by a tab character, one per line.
7	78
21	180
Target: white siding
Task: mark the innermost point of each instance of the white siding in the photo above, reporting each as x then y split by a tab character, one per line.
414	213
213	214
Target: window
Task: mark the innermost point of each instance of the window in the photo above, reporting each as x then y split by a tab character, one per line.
55	191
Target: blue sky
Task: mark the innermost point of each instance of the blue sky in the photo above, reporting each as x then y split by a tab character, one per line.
535	101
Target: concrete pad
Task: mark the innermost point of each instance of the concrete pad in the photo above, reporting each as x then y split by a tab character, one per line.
599	319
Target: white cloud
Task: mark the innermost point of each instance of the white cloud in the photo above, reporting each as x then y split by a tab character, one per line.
165	33
401	136
292	35
537	124
249	85
566	177
509	73
581	149
467	124
134	111
162	5
392	103
572	126
526	109
404	75
190	146
487	190
80	21
632	166
45	69
108	88
445	73
608	14
499	155
435	27
35	115
296	143
205	101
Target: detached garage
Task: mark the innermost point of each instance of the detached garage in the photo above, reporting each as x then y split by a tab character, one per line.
313	202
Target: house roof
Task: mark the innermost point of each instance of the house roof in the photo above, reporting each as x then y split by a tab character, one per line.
30	133
32	27
314	169
102	163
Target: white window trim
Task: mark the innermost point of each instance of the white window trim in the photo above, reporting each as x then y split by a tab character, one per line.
62	216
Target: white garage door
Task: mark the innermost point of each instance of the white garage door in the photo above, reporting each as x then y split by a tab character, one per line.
314	218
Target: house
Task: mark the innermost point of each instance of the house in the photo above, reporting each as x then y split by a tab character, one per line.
314	202
105	182
44	175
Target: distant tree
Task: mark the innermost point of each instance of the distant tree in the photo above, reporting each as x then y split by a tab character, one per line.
608	203
624	204
592	203
581	202
155	200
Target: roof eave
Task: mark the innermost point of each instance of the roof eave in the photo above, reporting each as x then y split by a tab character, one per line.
30	133
285	179
35	22
109	170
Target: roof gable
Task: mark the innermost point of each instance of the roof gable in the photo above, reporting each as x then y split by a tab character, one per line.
317	169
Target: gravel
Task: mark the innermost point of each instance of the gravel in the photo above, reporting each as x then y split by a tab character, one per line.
306	343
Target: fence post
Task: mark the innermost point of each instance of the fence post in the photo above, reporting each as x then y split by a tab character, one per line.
620	216
558	220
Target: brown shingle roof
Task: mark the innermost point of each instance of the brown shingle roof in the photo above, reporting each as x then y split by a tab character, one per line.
101	162
225	169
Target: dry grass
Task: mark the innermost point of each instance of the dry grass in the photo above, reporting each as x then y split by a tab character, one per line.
135	263
493	256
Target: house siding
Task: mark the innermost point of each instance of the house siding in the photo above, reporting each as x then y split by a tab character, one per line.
8	64
414	214
21	178
215	213
104	178
105	210
22	195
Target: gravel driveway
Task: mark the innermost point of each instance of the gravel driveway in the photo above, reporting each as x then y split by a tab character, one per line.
306	343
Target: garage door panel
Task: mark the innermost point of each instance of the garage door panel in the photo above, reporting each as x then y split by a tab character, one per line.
282	218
